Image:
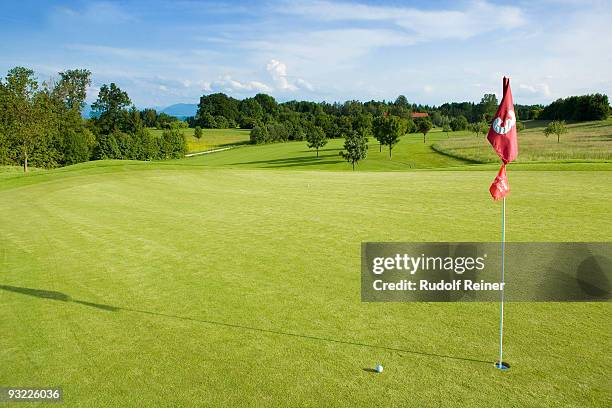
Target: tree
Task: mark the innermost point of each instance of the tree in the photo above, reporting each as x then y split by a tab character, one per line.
520	126
110	109
446	128
72	88
459	123
424	125
111	99
356	146
259	134
437	119
22	103
488	106
316	138
197	132
149	117
479	127
555	128
387	130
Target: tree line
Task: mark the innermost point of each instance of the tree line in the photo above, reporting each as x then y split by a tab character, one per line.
41	124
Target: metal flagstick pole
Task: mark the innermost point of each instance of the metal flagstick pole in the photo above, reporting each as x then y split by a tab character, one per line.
501	307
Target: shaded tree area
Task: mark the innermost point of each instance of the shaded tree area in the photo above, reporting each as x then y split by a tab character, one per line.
578	108
121	133
41	124
271	121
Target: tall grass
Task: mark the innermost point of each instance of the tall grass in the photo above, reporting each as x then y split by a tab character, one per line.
590	141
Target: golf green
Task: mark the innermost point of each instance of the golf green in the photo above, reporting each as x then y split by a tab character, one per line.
150	284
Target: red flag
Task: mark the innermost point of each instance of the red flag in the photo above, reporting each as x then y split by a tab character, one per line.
502	134
500	187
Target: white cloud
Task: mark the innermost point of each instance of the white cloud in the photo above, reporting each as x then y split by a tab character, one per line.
97	12
477	18
302	83
228	84
278	71
541	89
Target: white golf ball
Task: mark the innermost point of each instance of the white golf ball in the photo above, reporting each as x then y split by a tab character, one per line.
379	368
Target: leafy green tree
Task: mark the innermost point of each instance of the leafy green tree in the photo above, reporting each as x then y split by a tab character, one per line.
488	106
217	105
363	121
478	128
149	117
355	147
23	110
459	123
259	134
520	126
424	125
172	144
72	88
110	109
197	132
315	138
221	122
388	130
268	104
437	119
555	127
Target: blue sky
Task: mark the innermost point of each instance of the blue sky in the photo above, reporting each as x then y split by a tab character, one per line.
165	52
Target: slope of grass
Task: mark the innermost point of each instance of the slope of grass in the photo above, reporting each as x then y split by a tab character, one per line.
211	138
409	153
584	141
155	284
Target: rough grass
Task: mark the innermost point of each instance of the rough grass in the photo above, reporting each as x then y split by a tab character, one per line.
176	284
590	141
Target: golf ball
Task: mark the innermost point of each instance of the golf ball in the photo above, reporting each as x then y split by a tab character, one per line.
379	368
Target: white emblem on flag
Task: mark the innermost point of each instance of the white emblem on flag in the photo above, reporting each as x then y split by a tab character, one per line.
510	122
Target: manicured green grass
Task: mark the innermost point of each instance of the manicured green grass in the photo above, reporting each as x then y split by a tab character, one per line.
183	284
584	141
409	153
211	138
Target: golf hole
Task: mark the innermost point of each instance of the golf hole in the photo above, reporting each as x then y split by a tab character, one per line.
502	366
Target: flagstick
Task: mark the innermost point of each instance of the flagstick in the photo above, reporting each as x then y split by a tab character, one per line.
501	307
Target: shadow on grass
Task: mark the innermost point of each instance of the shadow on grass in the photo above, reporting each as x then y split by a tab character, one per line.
62	297
293	161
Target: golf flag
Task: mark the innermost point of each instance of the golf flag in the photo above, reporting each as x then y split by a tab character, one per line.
502	136
500	187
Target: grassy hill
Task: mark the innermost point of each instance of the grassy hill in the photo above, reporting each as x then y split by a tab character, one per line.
213	280
588	141
211	138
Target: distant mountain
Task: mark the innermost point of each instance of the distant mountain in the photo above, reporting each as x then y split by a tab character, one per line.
181	110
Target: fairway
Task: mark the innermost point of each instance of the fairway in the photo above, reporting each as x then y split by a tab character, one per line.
211	138
409	153
154	284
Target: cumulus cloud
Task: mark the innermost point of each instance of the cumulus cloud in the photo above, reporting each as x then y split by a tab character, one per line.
229	84
278	71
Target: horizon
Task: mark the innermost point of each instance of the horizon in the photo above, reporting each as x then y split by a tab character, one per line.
164	54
